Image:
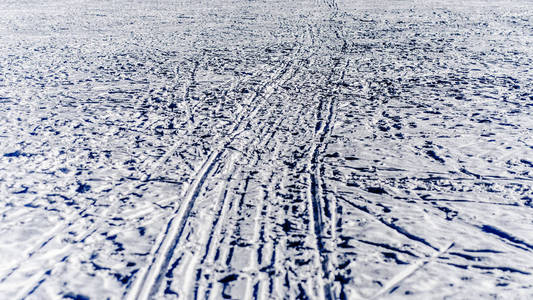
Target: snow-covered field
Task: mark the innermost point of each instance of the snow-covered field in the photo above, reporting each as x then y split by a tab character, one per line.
266	149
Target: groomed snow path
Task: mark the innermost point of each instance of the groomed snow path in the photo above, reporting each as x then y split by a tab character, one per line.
266	149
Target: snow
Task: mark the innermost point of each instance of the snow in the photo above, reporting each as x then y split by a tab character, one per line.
266	149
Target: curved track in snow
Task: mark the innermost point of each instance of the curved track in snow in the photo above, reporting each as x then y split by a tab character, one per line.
265	150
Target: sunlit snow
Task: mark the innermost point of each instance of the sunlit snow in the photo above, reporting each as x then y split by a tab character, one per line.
264	149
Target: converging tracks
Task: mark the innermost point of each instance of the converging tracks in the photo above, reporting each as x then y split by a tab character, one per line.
265	150
167	255
151	277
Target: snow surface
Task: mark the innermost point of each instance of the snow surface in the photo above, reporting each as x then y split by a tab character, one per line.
266	149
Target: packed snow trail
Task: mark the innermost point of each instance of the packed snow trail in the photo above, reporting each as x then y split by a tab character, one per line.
266	150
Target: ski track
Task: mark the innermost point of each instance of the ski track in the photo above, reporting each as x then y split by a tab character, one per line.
321	149
151	280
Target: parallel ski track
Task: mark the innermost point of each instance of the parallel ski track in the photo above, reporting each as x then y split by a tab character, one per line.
154	167
265	213
192	194
41	277
260	142
317	199
320	207
213	243
150	278
256	287
31	254
267	131
210	240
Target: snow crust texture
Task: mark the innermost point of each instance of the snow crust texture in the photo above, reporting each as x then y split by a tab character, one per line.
266	149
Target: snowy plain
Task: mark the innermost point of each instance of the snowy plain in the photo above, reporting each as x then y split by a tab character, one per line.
267	149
